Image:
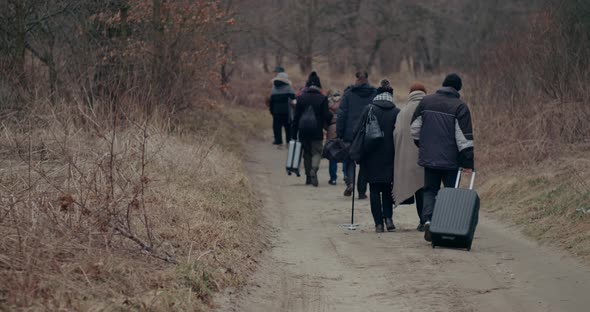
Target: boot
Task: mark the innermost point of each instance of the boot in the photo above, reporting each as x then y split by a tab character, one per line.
314	178
379	228
389	224
307	180
362	196
348	191
427	236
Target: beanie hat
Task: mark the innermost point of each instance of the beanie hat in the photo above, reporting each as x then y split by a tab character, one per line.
417	86
385	86
454	81
313	80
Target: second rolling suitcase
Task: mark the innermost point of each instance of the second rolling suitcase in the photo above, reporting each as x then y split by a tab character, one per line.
455	216
294	157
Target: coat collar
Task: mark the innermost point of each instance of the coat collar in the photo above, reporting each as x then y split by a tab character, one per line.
450	91
416	95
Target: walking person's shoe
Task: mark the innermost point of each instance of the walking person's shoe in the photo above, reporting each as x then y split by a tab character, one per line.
348	191
307	180
314	178
379	228
362	196
389	224
277	143
427	236
332	182
420	227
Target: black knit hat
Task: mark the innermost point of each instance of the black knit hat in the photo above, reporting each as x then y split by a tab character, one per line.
313	80
453	81
385	86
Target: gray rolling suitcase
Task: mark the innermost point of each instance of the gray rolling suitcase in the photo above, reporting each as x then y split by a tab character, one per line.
455	217
294	157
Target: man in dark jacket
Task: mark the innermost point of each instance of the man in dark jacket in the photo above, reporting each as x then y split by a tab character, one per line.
311	104
441	127
354	101
280	101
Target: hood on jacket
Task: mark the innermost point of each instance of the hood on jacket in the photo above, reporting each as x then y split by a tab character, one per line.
384	100
449	91
363	90
280	87
312	89
282	77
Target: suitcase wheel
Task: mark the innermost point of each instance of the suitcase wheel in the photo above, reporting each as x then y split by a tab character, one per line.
289	172
433	246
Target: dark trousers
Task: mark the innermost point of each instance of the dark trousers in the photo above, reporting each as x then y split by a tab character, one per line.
334	170
381	202
280	121
432	180
361	182
419	200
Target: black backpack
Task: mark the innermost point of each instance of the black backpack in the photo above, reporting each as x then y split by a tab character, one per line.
308	123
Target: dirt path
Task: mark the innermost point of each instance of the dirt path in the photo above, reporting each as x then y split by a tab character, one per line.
315	265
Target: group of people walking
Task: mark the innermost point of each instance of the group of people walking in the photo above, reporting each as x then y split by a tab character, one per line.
422	144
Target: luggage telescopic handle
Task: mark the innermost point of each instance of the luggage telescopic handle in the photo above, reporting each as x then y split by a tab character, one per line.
459	179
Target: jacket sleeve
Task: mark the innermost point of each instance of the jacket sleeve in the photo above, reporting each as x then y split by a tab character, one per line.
326	112
464	137
416	126
342	117
361	121
298	112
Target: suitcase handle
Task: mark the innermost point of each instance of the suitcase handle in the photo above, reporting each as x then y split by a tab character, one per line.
459	178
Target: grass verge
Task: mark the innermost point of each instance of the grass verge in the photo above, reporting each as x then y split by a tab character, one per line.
550	201
142	216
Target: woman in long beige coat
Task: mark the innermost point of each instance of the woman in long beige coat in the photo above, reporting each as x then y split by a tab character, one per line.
408	176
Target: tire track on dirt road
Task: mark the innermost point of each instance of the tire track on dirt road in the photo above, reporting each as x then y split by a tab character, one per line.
315	265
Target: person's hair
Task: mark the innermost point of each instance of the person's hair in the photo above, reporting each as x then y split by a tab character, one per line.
385	86
417	86
361	75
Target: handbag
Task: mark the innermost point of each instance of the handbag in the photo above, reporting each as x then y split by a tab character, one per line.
336	150
373	134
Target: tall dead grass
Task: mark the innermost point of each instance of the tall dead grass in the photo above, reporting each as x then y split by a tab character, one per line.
530	97
117	211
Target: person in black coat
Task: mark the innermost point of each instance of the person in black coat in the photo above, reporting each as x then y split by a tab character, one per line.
279	104
377	165
355	99
312	140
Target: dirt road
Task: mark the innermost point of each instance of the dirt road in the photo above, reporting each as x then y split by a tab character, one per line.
315	265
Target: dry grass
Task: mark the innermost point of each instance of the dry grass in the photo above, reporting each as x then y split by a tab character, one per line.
549	201
142	216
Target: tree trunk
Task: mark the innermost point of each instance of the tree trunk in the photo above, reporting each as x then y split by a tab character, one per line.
373	54
20	39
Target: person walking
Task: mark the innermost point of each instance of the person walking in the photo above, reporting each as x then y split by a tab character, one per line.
334	98
311	115
408	176
441	128
355	99
377	165
281	96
